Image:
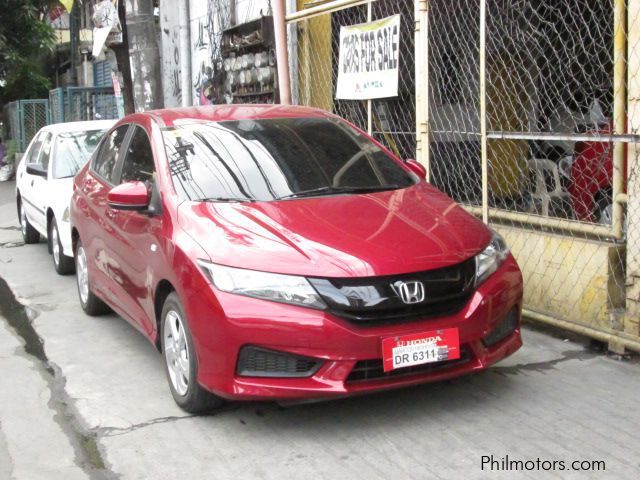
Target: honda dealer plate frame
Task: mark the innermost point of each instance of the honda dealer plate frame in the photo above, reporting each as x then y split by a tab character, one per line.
420	348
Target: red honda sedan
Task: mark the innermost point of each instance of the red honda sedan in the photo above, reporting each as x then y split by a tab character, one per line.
276	252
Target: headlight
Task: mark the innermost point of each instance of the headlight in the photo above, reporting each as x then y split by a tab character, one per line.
491	258
267	286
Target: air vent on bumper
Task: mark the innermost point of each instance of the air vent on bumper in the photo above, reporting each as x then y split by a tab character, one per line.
505	328
261	362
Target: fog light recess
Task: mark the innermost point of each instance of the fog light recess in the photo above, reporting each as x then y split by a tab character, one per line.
261	362
505	328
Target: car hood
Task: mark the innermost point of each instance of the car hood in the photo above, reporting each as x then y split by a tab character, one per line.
383	233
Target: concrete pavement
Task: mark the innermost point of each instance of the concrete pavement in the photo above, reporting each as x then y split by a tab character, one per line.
84	397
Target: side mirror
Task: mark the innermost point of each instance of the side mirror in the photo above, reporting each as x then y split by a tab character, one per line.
129	196
38	170
416	168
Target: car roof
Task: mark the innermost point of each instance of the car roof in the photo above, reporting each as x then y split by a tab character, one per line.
65	127
219	113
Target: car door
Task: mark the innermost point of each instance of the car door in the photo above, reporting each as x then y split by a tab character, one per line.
40	187
134	242
27	182
97	229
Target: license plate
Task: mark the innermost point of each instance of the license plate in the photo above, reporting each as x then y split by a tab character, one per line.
419	348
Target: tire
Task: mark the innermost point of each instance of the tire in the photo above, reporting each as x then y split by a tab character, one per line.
29	234
180	362
91	304
63	264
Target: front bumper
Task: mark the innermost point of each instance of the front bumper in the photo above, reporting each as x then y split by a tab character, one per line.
223	323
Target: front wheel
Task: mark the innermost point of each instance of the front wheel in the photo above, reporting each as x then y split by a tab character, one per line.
63	264
180	360
91	304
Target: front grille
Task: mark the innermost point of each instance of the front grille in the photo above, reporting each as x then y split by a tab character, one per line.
261	362
365	370
376	301
442	308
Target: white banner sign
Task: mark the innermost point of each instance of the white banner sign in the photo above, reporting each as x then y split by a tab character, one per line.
106	26
368	62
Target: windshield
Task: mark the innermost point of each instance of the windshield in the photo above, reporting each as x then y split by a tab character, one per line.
73	150
280	158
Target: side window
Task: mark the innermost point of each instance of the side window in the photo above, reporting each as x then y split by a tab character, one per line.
138	163
36	147
46	152
105	160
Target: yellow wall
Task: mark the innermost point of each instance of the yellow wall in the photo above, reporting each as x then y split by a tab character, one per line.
632	320
314	60
569	278
506	112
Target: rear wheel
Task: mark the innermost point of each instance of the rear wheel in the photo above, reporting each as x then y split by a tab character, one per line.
29	234
91	304
180	361
62	263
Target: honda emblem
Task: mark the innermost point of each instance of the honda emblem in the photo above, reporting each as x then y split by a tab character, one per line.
410	292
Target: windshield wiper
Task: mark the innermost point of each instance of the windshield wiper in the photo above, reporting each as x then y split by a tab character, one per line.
326	189
223	199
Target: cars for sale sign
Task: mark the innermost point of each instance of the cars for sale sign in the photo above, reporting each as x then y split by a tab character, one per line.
368	60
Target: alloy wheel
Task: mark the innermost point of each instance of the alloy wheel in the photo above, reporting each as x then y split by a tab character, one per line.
82	275
23	219
55	244
176	352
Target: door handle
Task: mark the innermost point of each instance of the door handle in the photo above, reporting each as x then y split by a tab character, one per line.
32	183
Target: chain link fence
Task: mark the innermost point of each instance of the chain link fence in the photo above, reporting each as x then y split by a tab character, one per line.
11	121
314	43
25	118
532	95
549	105
72	104
57	105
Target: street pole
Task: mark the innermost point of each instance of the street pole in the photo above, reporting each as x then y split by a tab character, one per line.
282	55
483	111
184	46
124	65
74	33
144	55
